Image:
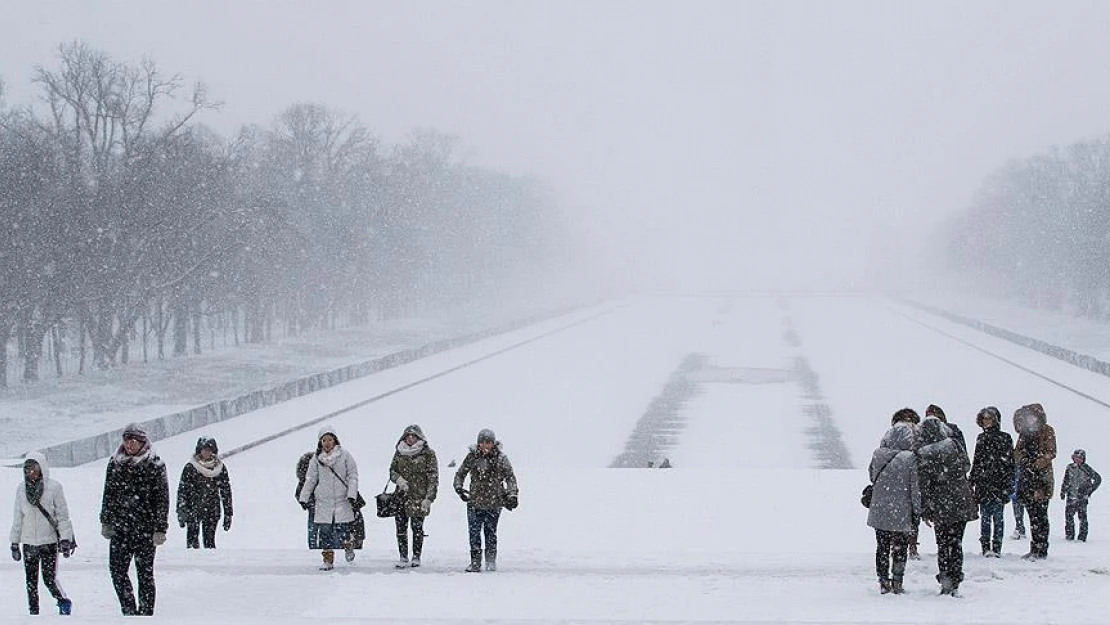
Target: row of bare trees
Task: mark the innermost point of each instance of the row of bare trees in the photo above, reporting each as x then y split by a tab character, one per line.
122	218
1038	231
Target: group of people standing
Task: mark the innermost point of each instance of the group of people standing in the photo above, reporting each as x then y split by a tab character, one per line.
922	471
328	489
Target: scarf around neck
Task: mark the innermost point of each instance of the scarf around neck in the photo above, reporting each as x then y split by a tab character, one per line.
34	489
207	468
121	456
410	450
327	459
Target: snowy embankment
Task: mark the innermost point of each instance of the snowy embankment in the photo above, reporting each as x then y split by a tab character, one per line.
741	530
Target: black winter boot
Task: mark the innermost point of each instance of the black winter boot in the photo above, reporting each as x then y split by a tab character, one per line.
475	561
896	587
985	544
491	559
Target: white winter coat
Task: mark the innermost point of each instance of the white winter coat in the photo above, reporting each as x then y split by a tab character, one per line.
331	495
29	526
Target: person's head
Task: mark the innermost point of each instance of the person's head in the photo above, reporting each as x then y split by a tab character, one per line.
906	415
32	472
1029	419
412	435
933	430
1079	456
327	440
486	440
935	411
134	439
207	448
988	418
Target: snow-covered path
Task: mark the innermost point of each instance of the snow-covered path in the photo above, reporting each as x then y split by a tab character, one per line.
743	529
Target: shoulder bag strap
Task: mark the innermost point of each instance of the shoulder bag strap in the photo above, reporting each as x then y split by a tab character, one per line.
49	519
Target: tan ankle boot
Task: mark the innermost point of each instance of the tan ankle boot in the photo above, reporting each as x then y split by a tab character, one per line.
329	560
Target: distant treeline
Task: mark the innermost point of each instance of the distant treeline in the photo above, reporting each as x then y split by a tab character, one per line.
1038	231
125	221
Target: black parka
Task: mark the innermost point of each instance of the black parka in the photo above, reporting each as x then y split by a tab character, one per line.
992	472
136	497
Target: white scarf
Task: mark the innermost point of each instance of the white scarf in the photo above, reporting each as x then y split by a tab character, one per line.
122	457
405	449
207	468
329	458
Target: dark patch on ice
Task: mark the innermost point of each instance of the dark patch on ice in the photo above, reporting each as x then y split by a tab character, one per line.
659	429
825	440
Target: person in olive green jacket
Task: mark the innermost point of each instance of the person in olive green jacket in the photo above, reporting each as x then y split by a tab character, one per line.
415	470
492	485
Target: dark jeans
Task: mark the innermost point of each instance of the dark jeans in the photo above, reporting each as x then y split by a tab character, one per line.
121	551
1038	528
950	550
403	523
888	546
482	522
205	525
992	524
1073	508
1019	517
47	557
313	531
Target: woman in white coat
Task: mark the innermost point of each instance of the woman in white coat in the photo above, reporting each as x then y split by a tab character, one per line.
332	479
40	523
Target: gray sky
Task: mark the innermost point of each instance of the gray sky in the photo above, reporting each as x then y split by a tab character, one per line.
696	143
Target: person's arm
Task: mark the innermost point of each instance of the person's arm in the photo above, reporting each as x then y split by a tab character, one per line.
17	518
352	476
433	476
61	514
1096	480
225	491
311	478
460	473
509	476
161	497
184	494
1047	451
108	500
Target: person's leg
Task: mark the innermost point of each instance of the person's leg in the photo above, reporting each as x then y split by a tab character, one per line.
882	555
49	557
474	528
985	521
998	514
313	531
402	523
31	572
1019	520
490	527
417	539
1038	528
899	542
144	572
208	529
1069	520
119	561
328	541
192	533
1081	510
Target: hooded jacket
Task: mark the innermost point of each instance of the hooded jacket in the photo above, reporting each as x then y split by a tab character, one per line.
203	490
419	468
896	500
492	479
325	479
992	472
29	526
942	468
1033	454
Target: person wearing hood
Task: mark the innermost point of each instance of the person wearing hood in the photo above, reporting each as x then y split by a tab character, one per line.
1080	482
992	479
954	432
1033	454
895	504
332	479
492	485
415	471
134	517
205	487
41	524
910	417
946	499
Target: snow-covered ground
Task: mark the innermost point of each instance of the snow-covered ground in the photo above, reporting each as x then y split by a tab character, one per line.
742	529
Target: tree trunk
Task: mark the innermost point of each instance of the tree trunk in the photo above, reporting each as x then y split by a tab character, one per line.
56	338
180	327
196	327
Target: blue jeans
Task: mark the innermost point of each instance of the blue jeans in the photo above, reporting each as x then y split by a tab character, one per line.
313	532
991	513
333	535
1019	517
481	522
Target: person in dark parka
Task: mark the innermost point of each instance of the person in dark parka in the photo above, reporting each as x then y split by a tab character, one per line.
954	431
946	499
310	505
992	479
1080	482
415	470
205	486
1033	454
492	485
134	516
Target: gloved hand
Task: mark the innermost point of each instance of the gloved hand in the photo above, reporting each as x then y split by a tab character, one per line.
352	500
402	484
304	504
158	539
463	493
227	522
425	507
107	531
66	547
16	555
181	521
511	502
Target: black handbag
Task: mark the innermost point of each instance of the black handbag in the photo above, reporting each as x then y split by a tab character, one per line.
390	504
869	490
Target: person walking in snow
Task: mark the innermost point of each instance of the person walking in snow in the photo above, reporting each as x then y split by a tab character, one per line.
41	524
946	498
310	505
205	486
895	504
332	478
492	485
134	517
1033	454
910	417
1080	482
415	470
992	479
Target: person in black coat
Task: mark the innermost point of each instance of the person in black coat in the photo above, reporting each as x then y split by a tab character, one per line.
205	486
310	505
1080	482
992	479
134	516
954	432
946	499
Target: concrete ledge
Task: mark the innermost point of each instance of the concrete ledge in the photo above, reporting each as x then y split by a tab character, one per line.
97	446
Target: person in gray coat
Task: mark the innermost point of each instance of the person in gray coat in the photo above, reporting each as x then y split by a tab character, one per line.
895	504
332	482
946	498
